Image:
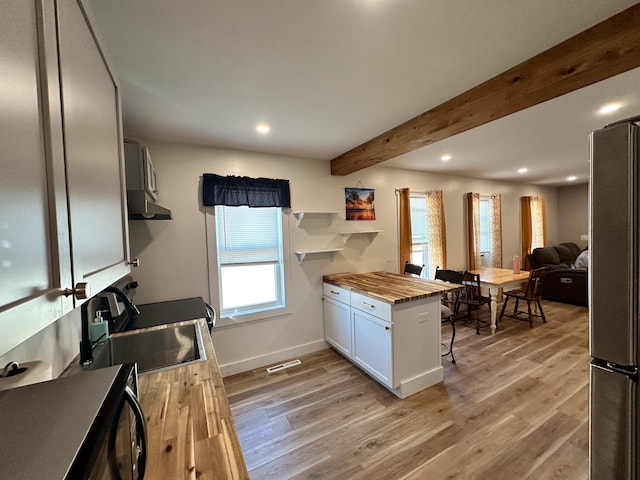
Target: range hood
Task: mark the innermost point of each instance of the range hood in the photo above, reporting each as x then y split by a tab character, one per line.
142	190
142	207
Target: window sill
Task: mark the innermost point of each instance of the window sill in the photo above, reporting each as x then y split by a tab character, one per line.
252	317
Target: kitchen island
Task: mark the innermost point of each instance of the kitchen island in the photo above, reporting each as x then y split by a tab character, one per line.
388	325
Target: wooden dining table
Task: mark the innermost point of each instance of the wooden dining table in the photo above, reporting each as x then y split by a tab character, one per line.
496	278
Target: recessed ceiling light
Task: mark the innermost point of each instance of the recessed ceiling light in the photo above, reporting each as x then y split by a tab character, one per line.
610	108
262	128
572	178
445	158
522	170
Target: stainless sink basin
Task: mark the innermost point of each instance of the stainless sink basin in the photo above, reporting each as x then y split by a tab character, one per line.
169	347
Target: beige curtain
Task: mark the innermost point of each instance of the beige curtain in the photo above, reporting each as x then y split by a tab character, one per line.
405	241
525	216
436	230
496	230
473	230
534	226
539	218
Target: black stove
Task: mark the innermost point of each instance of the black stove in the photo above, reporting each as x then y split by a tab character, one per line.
170	311
161	313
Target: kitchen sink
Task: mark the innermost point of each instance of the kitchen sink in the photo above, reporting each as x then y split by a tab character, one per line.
173	346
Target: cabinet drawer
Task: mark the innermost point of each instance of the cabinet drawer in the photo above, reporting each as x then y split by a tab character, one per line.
337	293
371	305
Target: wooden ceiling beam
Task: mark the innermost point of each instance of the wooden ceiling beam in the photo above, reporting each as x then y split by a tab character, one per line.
604	50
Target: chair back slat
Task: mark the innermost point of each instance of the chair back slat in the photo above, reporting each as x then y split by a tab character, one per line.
413	269
451	276
533	289
471	283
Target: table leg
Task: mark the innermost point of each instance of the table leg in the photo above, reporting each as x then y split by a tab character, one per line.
493	291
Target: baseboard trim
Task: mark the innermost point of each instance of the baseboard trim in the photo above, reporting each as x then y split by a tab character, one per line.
418	383
271	358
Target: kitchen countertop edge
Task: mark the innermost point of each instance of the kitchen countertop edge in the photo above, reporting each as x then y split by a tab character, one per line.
388	287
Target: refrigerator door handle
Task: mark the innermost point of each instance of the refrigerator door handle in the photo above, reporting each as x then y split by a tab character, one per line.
631	372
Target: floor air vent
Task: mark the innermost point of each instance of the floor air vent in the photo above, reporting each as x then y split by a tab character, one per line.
282	366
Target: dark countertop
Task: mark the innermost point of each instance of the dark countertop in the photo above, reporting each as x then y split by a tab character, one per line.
44	424
170	311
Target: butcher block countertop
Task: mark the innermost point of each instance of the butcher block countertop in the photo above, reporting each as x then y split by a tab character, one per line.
389	287
189	426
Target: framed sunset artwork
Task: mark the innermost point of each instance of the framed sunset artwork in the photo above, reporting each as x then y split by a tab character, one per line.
359	203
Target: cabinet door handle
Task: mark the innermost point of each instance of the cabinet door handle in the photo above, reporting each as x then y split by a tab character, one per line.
368	305
387	328
81	291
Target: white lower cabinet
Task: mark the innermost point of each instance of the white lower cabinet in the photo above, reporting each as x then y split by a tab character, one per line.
398	345
372	342
337	325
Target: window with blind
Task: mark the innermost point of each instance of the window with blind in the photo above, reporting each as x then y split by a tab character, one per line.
485	227
250	259
419	235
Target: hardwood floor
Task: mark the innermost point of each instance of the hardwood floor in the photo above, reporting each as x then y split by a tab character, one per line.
515	405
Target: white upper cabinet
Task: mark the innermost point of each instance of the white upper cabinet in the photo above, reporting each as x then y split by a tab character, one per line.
34	240
41	162
94	154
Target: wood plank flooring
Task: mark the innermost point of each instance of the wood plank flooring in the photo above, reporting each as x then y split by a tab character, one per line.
515	405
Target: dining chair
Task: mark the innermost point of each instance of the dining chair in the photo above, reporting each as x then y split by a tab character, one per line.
532	292
472	297
451	300
412	269
450	276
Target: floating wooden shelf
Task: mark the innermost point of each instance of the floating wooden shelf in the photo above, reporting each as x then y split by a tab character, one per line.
346	235
303	253
299	214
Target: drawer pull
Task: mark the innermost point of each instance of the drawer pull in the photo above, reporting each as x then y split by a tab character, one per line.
334	292
368	305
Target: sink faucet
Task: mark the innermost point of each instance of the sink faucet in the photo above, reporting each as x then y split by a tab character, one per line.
86	346
129	306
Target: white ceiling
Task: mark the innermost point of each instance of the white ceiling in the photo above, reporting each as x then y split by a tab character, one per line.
328	75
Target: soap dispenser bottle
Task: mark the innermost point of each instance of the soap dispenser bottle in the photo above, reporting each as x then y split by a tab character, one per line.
99	329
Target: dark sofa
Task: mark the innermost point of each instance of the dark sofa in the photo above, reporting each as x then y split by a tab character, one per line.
562	283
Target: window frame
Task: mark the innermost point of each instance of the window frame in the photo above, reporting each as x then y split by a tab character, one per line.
212	272
485	228
421	246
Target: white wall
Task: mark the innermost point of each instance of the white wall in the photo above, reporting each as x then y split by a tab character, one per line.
173	253
57	344
573	214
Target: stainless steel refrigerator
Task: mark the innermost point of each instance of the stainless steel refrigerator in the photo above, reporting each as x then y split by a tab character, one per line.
614	298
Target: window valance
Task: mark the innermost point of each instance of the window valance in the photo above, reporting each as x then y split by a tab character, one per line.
254	192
